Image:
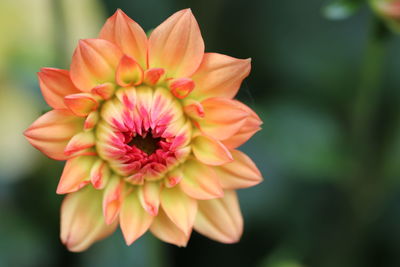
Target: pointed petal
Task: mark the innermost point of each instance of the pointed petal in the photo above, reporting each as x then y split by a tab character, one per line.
127	34
180	208
79	142
55	84
149	195
210	151
94	62
163	228
134	220
219	76
200	181
81	104
128	72
240	173
100	174
51	132
76	174
82	221
176	45
220	219
112	199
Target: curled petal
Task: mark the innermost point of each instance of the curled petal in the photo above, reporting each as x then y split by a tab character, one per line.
163	228
82	221
210	151
79	142
55	84
176	45
220	219
194	109
76	174
127	34
181	87
91	120
134	220
112	199
105	90
99	174
240	173
81	104
200	181
94	62
180	208
52	132
173	178
219	76
153	76
149	196
128	72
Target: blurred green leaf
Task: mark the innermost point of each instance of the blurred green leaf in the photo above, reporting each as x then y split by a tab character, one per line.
341	9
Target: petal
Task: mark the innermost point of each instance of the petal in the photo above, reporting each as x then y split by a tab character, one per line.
127	34
173	178
210	151
51	132
82	221
219	76
153	76
240	173
149	195
79	142
112	199
200	181
180	208
220	219
91	120
99	174
216	123
176	45
76	174
55	84
128	72
249	128
163	228
105	90
94	62
181	87
134	219
193	109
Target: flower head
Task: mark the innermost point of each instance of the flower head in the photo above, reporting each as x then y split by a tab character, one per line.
149	130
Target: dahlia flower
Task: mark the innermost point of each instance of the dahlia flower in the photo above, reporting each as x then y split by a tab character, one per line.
149	130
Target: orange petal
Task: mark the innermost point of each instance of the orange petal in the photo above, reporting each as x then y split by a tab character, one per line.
55	84
76	174
153	76
128	72
222	118
94	62
82	221
127	34
210	151
134	220
180	208
112	199
181	87
240	173
220	219
249	128
81	104
149	196
200	181
219	76
79	142
99	174
193	109
51	132
105	90
176	45
163	228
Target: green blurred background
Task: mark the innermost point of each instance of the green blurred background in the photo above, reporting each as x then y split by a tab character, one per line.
327	91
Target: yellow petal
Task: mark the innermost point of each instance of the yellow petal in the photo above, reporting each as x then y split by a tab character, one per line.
81	104
112	199
210	151
128	72
149	195
220	219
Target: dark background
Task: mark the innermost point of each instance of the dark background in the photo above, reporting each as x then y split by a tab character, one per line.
327	91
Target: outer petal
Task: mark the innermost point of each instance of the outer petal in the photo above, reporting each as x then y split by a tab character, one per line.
55	84
94	62
180	208
76	174
249	128
149	195
222	118
167	231
82	220
219	76
240	173
176	45
220	219
112	199
127	34
133	218
199	181
210	151
51	132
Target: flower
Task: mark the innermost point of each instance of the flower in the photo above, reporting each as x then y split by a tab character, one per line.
389	11
149	130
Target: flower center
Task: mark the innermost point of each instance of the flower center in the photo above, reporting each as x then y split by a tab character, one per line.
148	144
